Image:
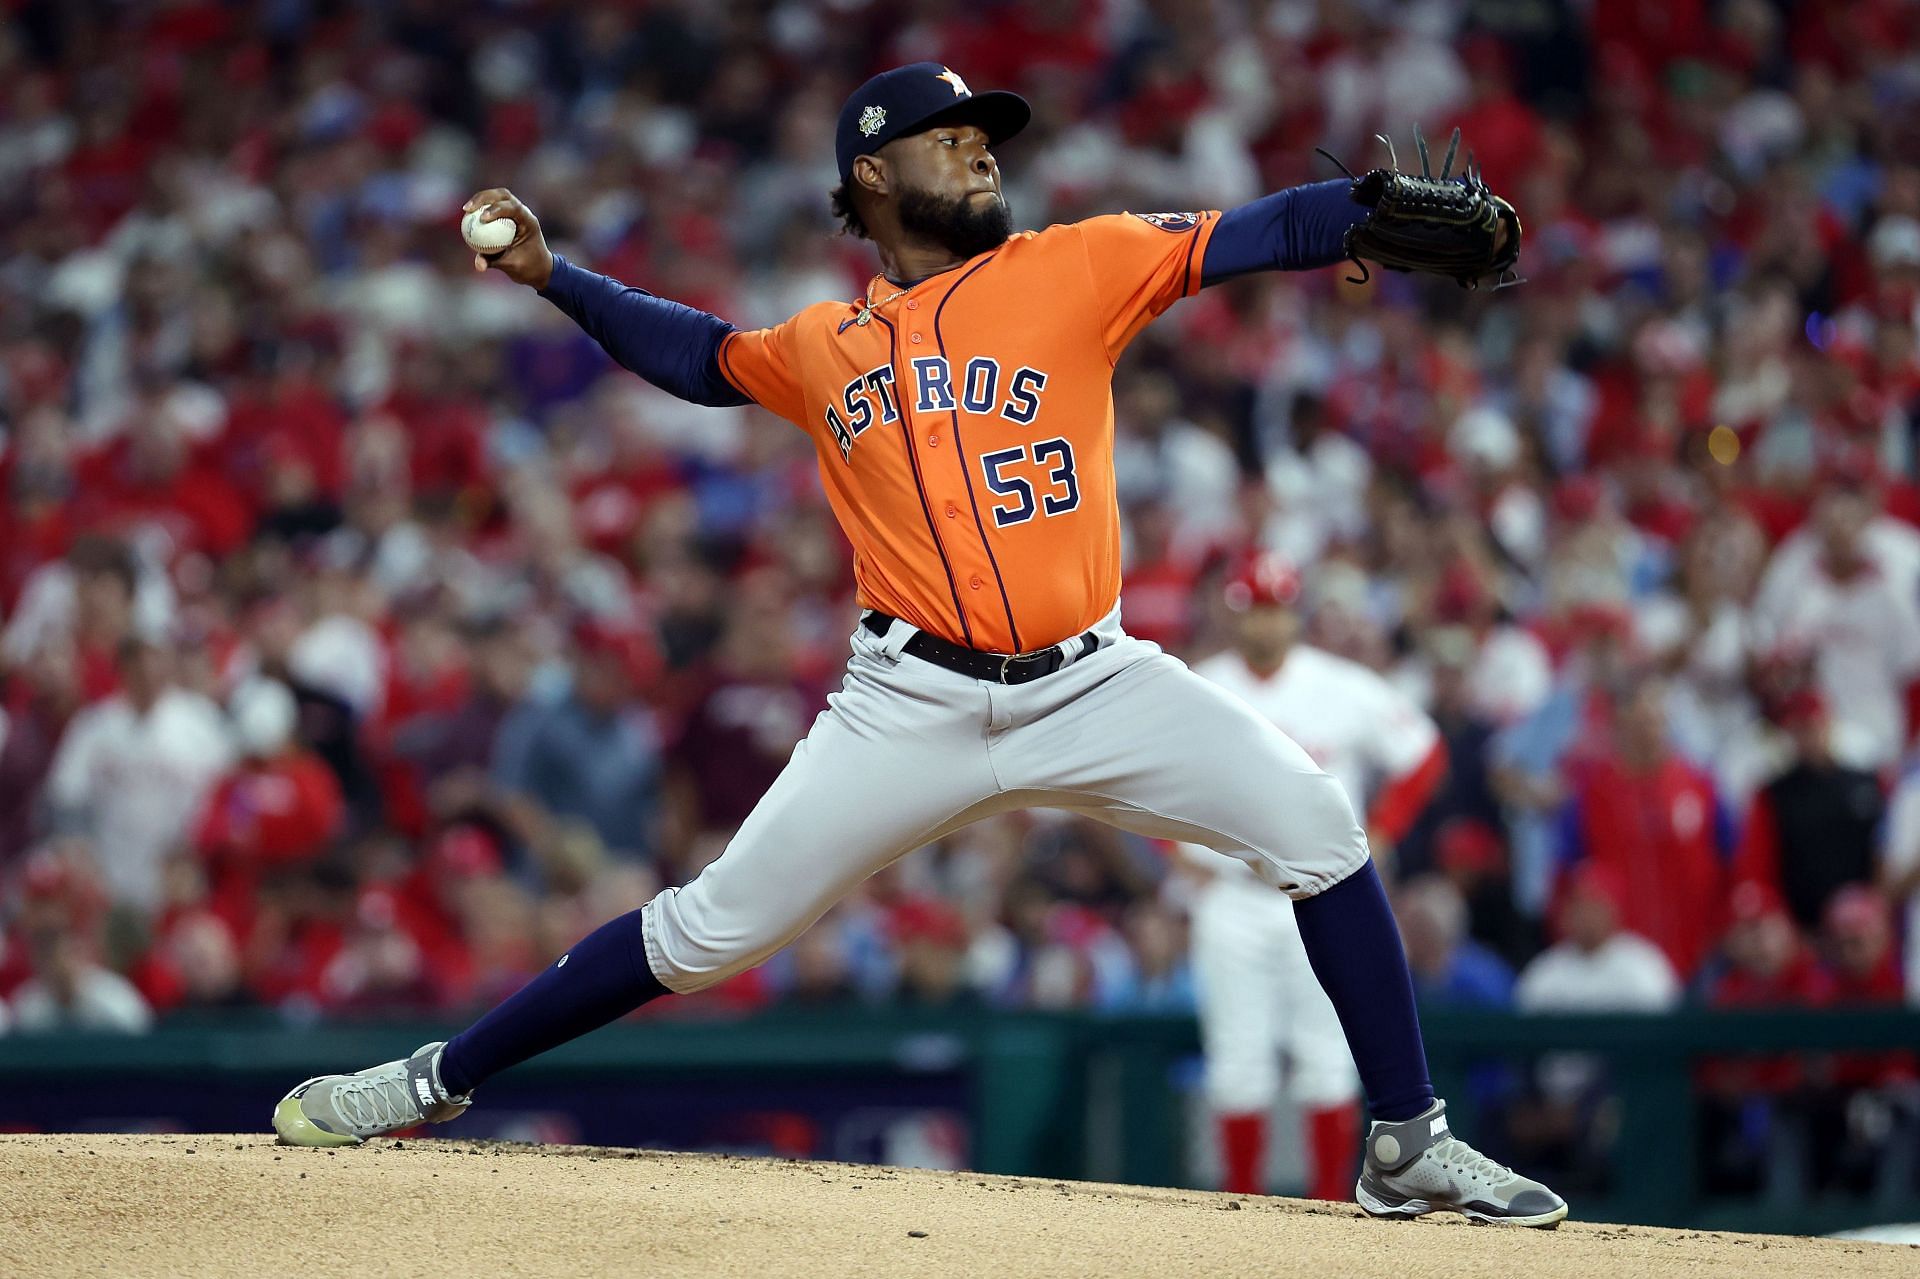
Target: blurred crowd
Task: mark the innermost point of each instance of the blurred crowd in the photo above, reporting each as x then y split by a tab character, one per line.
367	638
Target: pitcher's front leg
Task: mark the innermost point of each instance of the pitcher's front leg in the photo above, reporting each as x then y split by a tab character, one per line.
1150	746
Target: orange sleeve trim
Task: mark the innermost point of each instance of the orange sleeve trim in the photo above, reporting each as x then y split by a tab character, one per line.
1196	253
726	364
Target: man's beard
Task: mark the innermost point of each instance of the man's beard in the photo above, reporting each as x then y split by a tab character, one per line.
960	226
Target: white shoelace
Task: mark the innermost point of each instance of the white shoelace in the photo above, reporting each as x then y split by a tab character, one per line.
1457	1154
376	1102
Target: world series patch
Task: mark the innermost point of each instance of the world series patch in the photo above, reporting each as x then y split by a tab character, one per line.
1171	221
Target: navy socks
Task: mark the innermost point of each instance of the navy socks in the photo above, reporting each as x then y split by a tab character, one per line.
1354	947
1349	932
603	978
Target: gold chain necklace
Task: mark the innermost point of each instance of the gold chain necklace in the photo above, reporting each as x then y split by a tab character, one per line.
868	305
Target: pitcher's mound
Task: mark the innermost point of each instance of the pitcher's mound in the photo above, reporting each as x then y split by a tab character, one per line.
241	1206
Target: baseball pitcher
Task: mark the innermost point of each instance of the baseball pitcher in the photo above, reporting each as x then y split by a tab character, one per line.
963	416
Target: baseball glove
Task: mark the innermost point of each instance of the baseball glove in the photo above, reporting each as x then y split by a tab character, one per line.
1446	225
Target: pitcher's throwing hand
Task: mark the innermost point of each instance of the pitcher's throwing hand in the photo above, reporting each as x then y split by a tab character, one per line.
527	260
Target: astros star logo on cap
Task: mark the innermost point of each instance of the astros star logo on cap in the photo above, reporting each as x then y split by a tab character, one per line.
913	99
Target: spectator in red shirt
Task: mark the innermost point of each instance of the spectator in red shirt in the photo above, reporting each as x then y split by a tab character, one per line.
445	425
1657	821
381	966
1854	1096
194	963
1161	586
932	937
1861	970
1505	131
1861	966
501	947
1763	963
151	477
279	807
34	707
473	924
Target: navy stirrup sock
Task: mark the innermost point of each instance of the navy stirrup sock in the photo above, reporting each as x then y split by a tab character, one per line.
1354	947
602	979
1350	937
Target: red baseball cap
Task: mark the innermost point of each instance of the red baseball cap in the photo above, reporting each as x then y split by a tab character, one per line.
1595	881
1266	580
1591	618
464	850
1468	845
1801	706
1462	594
923	918
631	650
1753	899
1858	908
1578	498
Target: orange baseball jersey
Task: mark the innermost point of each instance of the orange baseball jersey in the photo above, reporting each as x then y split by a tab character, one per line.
965	427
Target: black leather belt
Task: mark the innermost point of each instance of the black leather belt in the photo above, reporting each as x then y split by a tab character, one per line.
1000	668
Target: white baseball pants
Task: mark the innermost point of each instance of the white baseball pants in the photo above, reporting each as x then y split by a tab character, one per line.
907	752
1260	1002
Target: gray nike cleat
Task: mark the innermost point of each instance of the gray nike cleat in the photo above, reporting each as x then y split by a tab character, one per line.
1417	1166
345	1110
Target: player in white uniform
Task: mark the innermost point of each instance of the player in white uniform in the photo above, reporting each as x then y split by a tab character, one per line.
1259	1000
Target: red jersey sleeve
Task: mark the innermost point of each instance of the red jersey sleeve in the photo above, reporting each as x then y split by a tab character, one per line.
1141	264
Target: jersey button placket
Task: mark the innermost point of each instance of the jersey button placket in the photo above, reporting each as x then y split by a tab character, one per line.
912	427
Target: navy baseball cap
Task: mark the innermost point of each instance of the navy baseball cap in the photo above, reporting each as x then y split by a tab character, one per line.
917	97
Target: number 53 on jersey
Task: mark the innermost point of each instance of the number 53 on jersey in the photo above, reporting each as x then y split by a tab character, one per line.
1061	488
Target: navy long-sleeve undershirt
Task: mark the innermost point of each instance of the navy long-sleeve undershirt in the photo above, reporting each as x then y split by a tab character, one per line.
1292	230
677	348
673	346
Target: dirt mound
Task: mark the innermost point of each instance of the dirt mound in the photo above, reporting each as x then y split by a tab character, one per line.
238	1205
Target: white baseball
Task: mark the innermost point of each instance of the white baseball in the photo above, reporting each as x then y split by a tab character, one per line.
488	237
